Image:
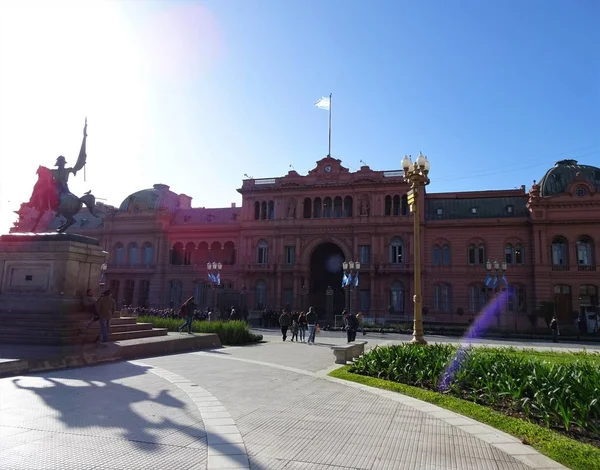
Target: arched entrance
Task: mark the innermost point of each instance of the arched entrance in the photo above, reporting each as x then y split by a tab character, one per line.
326	271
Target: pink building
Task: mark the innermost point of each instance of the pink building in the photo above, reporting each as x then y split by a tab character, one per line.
287	243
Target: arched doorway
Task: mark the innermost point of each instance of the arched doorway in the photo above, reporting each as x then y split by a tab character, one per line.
326	271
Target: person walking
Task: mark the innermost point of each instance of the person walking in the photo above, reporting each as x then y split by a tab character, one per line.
311	321
361	321
106	307
187	309
351	326
302	326
284	323
295	329
554	328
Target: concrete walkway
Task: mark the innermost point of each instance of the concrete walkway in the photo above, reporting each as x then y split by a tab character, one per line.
269	406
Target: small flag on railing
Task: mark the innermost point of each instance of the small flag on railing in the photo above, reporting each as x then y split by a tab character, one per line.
356	280
489	281
504	280
218	279
344	280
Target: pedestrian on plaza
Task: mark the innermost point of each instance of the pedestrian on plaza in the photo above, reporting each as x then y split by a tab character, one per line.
351	326
554	328
302	325
311	321
233	316
106	307
361	321
284	323
187	309
89	306
294	330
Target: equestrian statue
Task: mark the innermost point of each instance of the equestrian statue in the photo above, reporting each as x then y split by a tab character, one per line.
51	192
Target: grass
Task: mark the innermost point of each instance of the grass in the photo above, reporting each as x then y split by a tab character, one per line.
569	452
231	333
554	357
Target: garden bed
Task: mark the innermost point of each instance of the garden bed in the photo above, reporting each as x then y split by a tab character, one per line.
231	333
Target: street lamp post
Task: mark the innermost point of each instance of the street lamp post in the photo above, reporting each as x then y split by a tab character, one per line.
496	283
214	274
351	270
416	174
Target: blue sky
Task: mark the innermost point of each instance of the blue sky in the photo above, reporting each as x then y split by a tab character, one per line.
195	94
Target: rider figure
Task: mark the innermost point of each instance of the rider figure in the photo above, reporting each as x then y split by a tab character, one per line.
61	176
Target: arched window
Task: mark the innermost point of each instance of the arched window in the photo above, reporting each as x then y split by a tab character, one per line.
174	293
516	299
477	298
348	207
317	208
397	297
229	253
588	296
337	207
560	252
396	205
202	253
215	253
190	248
477	254
134	254
307	209
262	252
260	294
271	215
519	254
119	254
327	207
404	204
509	254
263	210
446	255
585	251
436	255
471	255
388	205
177	254
148	254
397	250
441	298
256	210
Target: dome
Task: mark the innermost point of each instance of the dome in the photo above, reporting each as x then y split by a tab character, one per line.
159	197
558	178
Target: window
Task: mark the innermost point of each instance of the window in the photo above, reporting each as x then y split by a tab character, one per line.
474	210
388	205
307	209
262	254
263	210
436	255
477	298
560	252
446	255
327	207
144	294
317	208
441	298
288	298
397	251
404	204
439	212
271	214
177	254
148	254
364	254
134	254
190	248
510	210
260	294
396	205
476	254
446	307
516	299
580	191
585	252
519	256
174	293
337	207
290	255
509	254
364	300
256	210
119	252
348	212
397	297
200	293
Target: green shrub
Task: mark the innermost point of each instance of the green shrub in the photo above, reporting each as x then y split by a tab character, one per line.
558	393
230	333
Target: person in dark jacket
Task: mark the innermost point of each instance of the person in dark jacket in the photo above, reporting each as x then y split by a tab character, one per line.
284	322
311	321
351	326
188	308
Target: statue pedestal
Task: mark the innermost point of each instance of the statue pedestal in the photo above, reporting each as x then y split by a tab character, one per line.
43	278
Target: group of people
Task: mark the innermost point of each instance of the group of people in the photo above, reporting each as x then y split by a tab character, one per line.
300	322
100	309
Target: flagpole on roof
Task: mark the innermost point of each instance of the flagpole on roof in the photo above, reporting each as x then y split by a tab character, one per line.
329	148
325	103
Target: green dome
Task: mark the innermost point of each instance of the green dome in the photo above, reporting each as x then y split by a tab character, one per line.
558	178
159	197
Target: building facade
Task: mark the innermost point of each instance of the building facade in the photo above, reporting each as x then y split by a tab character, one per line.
286	244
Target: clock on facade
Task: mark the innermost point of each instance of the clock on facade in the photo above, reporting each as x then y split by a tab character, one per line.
327	168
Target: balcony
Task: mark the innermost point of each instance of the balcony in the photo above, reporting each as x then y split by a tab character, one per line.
586	268
112	267
395	268
558	267
259	267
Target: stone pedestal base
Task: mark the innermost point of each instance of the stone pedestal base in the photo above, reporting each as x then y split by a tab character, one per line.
43	278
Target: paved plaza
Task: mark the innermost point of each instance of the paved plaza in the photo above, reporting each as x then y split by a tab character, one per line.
268	406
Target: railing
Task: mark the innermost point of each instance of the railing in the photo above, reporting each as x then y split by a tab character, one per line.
259	267
557	267
586	268
395	267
